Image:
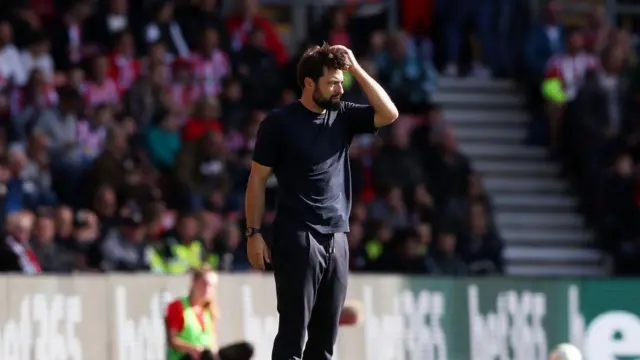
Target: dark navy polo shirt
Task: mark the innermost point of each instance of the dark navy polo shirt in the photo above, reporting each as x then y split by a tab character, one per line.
309	154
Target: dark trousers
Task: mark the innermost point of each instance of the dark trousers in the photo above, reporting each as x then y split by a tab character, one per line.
311	271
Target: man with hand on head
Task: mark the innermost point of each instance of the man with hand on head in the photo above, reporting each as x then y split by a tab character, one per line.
305	145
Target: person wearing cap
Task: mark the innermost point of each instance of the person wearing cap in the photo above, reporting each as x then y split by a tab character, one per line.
124	249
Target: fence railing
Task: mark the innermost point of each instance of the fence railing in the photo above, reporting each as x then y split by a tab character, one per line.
119	317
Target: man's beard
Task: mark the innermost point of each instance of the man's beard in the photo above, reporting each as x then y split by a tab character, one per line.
331	103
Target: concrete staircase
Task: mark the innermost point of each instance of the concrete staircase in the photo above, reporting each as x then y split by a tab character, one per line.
535	213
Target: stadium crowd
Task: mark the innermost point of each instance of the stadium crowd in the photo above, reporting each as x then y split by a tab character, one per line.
127	137
584	81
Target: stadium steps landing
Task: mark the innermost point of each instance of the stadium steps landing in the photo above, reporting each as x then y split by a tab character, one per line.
535	214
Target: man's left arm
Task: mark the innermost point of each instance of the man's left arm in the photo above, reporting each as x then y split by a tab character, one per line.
385	111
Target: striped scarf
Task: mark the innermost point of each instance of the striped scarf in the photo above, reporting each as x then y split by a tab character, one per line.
27	257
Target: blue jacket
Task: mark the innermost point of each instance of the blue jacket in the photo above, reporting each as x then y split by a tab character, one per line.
539	48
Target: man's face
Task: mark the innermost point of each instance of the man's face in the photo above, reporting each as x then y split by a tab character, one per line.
327	92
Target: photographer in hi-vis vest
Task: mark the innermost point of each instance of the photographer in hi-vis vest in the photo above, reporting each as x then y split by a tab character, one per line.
191	324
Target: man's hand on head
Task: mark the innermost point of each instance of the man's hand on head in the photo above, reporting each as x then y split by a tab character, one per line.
352	58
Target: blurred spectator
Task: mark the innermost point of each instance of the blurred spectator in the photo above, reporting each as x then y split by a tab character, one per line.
146	97
397	164
336	31
37	56
16	253
205	118
25	22
52	256
165	29
545	40
183	249
447	169
597	31
563	78
391	209
124	67
246	21
212	64
258	68
200	15
108	22
101	89
408	78
447	260
69	34
163	142
12	69
201	170
481	248
123	249
457	14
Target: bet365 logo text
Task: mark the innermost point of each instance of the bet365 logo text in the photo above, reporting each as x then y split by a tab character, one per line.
411	331
140	336
512	331
612	335
44	328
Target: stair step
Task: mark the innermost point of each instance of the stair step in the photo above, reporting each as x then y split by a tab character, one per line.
531	221
510	168
530	253
490	135
485	117
554	270
497	185
481	99
503	151
541	237
516	202
475	84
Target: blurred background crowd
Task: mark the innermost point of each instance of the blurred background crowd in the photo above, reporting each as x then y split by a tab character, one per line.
127	128
584	89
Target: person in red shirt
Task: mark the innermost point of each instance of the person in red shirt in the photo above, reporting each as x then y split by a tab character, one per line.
203	302
101	89
204	119
124	68
242	23
184	90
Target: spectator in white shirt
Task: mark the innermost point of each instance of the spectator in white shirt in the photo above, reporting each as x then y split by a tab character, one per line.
37	56
10	66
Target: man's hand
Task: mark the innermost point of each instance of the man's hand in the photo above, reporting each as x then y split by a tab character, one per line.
258	252
350	56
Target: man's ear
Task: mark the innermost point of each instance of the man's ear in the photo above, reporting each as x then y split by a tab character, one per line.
308	82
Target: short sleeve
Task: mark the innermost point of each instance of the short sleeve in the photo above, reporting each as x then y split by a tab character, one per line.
175	318
266	148
359	118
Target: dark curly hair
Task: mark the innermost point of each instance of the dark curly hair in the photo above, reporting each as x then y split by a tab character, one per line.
317	58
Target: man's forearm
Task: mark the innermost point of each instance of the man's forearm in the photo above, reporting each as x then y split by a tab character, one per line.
378	97
254	202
